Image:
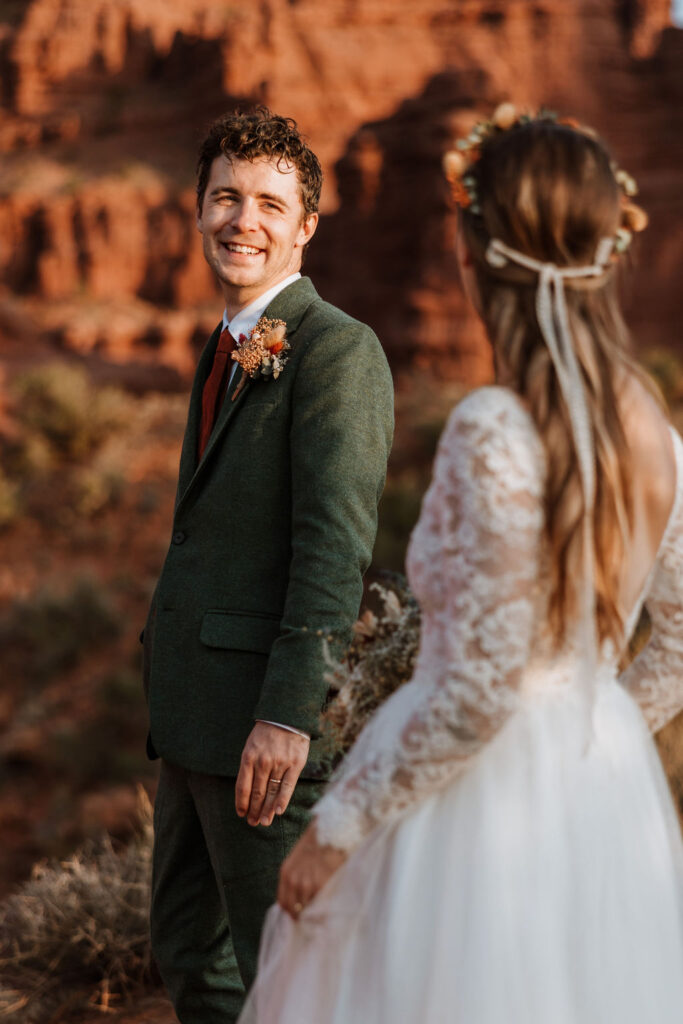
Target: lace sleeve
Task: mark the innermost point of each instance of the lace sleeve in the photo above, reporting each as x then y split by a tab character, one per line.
655	677
474	564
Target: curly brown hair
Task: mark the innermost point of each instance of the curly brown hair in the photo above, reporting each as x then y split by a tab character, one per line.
259	133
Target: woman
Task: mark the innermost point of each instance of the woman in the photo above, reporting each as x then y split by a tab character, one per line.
500	844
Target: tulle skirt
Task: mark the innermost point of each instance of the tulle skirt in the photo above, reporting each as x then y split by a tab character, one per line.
544	886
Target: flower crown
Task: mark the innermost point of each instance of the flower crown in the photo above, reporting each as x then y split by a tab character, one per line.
458	167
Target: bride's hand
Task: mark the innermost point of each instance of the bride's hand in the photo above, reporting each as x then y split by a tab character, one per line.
305	871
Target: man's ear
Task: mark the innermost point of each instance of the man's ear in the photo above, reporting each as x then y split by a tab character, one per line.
307	229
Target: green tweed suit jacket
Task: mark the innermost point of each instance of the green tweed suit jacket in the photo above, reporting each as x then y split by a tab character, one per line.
272	532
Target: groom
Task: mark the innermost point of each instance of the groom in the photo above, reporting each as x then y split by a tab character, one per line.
274	525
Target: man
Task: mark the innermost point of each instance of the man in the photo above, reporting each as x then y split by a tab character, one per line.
274	524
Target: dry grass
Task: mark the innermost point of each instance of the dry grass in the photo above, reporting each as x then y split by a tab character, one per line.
76	934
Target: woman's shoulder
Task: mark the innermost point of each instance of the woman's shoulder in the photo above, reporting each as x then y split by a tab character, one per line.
494	410
492	426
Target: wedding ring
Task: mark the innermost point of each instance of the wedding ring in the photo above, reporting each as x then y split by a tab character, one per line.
298	907
278	782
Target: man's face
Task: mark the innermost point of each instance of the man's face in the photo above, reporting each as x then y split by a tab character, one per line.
253	226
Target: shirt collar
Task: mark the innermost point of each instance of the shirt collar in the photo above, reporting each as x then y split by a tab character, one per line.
245	321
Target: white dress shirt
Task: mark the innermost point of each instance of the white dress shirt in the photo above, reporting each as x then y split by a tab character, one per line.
243	323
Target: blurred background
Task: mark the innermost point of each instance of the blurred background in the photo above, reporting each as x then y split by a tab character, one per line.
105	300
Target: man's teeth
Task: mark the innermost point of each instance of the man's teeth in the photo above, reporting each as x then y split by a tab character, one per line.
232	247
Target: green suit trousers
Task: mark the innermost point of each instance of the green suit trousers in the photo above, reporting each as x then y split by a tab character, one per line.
214	877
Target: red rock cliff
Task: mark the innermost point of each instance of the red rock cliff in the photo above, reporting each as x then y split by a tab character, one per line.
103	102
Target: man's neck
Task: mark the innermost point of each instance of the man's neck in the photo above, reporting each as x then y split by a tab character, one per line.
235	302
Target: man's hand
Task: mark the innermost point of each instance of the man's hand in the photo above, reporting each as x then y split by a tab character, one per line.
271	763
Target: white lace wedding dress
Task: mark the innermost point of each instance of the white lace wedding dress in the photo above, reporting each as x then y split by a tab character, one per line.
509	864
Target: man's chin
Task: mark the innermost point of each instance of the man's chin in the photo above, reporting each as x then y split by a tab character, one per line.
242	277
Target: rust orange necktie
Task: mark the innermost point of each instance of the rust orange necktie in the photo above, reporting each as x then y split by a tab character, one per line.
215	387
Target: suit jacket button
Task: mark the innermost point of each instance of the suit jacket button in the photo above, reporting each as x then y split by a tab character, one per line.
179	536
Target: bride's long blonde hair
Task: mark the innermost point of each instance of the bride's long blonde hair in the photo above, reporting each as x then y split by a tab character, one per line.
549	191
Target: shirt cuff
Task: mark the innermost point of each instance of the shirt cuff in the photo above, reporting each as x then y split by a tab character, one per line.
287	728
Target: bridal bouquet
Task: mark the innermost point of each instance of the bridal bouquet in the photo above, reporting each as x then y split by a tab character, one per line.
380	659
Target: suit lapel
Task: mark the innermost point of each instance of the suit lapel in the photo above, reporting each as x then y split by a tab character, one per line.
289	305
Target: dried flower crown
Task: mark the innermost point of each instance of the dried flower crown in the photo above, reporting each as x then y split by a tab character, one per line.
458	165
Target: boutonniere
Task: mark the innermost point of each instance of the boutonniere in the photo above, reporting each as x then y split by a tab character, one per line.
263	353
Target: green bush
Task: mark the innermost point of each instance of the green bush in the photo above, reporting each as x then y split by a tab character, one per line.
28	457
60	403
50	631
109	746
96	488
10	502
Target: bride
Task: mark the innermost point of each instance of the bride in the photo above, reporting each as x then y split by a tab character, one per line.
500	844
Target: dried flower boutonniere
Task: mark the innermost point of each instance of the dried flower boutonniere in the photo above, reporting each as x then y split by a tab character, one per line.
263	353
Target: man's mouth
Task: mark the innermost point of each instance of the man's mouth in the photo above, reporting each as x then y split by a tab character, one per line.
248	250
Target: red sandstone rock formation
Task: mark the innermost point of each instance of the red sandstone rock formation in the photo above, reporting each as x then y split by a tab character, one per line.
103	101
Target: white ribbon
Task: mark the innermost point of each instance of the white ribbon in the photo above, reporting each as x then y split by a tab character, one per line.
553	319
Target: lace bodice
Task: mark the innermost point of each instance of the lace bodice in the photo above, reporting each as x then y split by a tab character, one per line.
476	565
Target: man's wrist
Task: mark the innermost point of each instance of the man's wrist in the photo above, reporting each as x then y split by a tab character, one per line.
287	728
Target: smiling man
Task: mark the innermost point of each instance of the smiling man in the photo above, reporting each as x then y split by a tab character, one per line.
274	523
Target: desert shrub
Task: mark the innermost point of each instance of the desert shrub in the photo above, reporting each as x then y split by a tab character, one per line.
27	456
109	746
95	488
60	403
10	502
49	632
381	658
78	930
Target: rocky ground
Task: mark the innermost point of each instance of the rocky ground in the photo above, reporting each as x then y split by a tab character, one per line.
154	1010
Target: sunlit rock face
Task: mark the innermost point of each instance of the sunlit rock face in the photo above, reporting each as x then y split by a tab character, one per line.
103	102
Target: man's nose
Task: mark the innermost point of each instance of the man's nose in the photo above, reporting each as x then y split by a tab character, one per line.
244	216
